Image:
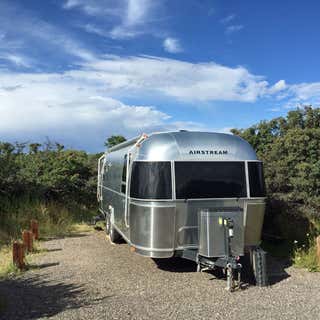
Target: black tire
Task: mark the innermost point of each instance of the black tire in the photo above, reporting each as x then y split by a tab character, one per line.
260	272
257	276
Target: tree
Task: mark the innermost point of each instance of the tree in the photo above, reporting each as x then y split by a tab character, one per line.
59	146
34	147
114	140
290	149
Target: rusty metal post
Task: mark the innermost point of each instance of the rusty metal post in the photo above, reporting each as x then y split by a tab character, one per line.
18	254
35	229
27	239
318	249
30	241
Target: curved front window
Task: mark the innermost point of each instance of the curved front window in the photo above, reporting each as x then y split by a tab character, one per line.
151	180
210	179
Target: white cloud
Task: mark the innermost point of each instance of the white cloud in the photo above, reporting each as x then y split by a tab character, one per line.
94	29
131	18
191	82
279	86
67	105
295	95
233	28
276	109
172	45
83	107
136	19
137	11
228	18
96	7
33	106
89	99
35	31
304	93
123	32
69	4
16	59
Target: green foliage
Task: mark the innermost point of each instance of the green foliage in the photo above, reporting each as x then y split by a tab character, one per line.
53	185
7	268
48	174
290	149
114	140
305	256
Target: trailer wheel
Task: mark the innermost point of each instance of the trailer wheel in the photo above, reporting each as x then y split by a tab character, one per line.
260	267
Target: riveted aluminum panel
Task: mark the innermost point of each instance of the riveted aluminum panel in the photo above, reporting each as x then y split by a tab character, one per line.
201	146
152	226
254	215
187	223
212	233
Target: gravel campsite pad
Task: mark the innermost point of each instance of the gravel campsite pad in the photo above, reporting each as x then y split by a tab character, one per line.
87	277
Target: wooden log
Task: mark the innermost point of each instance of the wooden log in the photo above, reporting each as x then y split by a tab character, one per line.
35	229
18	254
318	249
21	256
27	238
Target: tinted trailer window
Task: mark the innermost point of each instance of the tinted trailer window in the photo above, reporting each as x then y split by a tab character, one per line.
151	180
204	179
256	180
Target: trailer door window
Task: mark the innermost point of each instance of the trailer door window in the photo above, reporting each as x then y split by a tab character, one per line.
214	179
124	175
151	180
256	180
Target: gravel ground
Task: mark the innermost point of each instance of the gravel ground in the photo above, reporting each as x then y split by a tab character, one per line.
86	277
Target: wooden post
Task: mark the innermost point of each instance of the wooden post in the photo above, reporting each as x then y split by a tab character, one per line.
27	238
18	254
35	229
318	249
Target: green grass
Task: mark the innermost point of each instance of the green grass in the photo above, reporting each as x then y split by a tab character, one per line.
54	219
306	257
7	268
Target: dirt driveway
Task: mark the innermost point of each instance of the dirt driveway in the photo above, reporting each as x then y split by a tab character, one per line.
86	277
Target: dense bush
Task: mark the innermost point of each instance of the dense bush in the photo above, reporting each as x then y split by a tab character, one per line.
45	182
290	149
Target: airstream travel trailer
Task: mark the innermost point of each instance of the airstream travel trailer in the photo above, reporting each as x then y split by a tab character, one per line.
197	195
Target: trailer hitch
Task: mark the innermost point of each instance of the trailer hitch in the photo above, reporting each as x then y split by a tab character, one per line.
229	263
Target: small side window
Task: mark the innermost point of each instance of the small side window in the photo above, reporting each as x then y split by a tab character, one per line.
256	179
124	175
151	180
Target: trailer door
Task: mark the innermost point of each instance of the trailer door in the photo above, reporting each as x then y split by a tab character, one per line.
101	170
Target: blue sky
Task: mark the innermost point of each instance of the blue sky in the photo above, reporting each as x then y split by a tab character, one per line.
77	71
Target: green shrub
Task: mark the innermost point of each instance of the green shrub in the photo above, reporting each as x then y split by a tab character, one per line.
305	256
54	218
290	149
55	186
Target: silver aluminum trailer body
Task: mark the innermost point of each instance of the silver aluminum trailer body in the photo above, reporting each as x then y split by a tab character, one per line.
154	188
